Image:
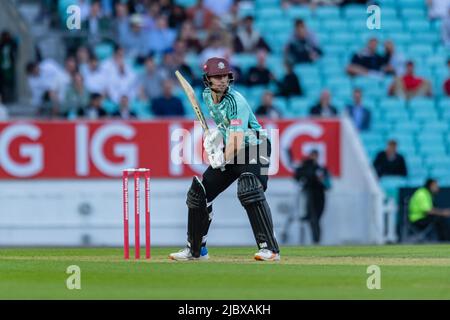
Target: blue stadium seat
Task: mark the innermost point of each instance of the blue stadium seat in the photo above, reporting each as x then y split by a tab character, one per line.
299	12
394	25
408	127
326	12
391	185
421	103
435	127
413	13
430	150
425	138
392	103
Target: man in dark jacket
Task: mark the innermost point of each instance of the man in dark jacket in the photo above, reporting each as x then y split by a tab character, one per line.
315	180
390	162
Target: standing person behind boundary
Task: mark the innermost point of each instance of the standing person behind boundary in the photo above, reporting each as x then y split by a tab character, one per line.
422	212
315	180
245	158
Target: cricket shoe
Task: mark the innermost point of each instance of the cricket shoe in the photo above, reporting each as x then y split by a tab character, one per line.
267	255
185	255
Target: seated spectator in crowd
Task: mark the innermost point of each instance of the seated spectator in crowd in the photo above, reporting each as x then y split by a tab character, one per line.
214	48
219	8
94	77
82	57
135	41
423	213
76	97
8	54
94	109
96	24
232	19
176	16
390	162
367	62
302	48
40	86
121	78
200	16
394	61
437	9
447	82
445	29
179	54
267	109
161	38
290	85
259	74
4	114
121	22
324	107
151	80
247	39
190	38
124	111
167	105
409	85
360	115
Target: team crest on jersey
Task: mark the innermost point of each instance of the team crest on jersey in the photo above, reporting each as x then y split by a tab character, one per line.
221	65
236	122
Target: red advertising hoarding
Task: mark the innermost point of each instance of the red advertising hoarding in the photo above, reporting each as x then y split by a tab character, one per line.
171	148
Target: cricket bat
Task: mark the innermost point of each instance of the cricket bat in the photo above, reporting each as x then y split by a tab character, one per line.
193	100
194	103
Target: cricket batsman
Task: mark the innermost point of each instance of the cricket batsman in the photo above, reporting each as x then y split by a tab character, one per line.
237	149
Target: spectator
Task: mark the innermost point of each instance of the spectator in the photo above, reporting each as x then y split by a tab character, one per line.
422	212
82	58
267	109
394	61
410	85
121	23
324	107
162	37
302	48
121	77
437	8
367	62
447	82
390	162
360	115
214	48
315	180
167	105
445	29
124	111
95	24
135	41
94	77
179	56
8	54
4	114
200	16
217	30
39	85
151	81
76	97
259	74
189	36
176	16
231	20
290	85
248	40
218	7
93	110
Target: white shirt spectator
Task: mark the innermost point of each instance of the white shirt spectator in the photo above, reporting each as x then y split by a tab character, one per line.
57	78
218	7
119	82
438	9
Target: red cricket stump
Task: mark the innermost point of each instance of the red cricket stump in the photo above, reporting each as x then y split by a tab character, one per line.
126	239
137	173
147	214
137	241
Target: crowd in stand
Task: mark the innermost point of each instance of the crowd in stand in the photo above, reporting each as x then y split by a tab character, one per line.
156	36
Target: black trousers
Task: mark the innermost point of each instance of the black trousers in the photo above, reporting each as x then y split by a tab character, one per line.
252	160
441	226
315	205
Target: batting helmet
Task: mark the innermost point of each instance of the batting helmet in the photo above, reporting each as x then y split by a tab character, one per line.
216	67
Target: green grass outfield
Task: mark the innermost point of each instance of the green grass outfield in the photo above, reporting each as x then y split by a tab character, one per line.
407	272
